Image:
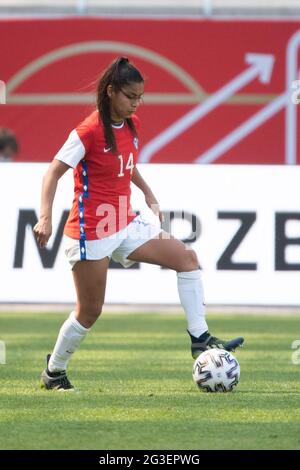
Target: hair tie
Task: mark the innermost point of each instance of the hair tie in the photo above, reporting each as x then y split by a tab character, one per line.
122	61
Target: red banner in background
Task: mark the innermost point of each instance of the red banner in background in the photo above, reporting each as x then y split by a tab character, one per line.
216	91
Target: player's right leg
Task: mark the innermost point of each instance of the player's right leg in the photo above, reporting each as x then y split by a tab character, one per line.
90	283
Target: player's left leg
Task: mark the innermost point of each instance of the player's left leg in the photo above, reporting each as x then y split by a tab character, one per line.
164	250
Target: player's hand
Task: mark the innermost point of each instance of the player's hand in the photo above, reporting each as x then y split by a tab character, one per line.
42	231
154	206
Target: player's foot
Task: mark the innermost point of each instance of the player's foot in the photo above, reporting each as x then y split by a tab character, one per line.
55	380
206	341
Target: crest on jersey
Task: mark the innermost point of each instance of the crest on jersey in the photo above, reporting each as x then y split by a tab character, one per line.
136	142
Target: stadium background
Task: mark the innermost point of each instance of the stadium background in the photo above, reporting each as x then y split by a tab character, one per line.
220	126
219	93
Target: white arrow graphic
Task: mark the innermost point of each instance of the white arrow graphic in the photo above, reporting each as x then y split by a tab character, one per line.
261	66
291	109
243	130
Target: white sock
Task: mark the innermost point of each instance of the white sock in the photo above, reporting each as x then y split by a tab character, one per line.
191	296
69	338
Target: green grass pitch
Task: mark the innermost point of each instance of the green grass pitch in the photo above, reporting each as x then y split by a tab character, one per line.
135	389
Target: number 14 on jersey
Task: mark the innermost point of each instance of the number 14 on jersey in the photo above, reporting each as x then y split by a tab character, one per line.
129	164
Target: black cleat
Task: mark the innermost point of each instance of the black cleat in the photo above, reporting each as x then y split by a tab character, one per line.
206	341
55	380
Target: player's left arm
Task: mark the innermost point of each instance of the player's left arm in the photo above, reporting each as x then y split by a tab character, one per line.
150	199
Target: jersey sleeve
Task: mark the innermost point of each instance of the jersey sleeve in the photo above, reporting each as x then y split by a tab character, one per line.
76	146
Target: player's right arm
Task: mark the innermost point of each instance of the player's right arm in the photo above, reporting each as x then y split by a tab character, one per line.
70	154
43	228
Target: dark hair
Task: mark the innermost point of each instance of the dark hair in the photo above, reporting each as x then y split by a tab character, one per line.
119	73
8	139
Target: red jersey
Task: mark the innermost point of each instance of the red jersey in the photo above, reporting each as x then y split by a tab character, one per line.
101	205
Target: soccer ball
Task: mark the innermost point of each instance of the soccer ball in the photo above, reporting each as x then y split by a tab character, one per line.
216	370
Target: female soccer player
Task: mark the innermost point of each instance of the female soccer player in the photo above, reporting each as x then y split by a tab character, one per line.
102	150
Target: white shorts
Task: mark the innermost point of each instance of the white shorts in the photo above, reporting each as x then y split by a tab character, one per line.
117	246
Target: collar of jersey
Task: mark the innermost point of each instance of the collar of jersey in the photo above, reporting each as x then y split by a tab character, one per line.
119	126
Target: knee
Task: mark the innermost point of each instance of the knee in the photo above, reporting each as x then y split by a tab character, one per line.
87	313
190	261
